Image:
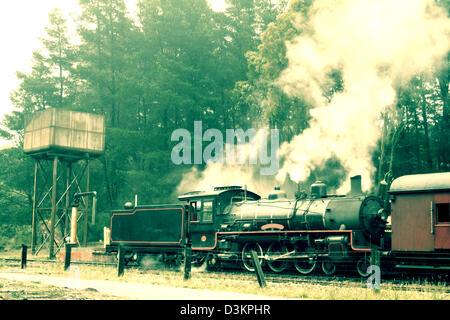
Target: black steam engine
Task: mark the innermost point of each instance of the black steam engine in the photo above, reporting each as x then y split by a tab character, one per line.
225	225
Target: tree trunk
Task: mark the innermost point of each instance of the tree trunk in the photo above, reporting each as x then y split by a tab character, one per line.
427	136
417	139
395	140
382	153
444	79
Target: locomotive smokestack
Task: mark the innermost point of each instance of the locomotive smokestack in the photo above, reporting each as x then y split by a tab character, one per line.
355	185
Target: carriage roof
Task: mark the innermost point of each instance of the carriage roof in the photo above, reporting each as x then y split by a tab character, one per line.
430	182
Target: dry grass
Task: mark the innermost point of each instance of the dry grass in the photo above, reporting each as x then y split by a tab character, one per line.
247	284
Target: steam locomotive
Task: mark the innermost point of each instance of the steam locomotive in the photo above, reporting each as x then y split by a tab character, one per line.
229	222
307	232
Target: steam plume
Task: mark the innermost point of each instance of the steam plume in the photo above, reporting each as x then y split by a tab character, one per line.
241	172
374	44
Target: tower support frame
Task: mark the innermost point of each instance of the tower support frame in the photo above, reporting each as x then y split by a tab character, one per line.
57	177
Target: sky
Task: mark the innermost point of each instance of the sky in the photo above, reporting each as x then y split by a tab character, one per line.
22	23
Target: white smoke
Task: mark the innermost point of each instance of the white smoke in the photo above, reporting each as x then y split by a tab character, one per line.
218	174
375	44
243	170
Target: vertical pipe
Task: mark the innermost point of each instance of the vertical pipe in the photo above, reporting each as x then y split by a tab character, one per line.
187	260
53	214
33	222
67	257
120	261
188	245
87	205
73	226
374	280
67	214
23	263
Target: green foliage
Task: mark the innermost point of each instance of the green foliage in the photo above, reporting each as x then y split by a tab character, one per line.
16	186
178	61
12	236
260	95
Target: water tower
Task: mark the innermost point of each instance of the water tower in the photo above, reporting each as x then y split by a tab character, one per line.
62	143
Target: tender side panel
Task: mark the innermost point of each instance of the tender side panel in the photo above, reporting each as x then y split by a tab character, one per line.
156	225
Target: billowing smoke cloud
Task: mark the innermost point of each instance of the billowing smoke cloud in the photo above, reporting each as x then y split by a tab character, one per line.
243	169
218	174
374	44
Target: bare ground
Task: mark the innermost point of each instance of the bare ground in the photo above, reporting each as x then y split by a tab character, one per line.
35	290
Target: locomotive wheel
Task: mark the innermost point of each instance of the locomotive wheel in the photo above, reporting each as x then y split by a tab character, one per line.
247	256
212	262
305	266
328	267
172	260
275	249
362	265
198	260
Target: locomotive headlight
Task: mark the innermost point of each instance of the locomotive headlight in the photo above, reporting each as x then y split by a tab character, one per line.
383	214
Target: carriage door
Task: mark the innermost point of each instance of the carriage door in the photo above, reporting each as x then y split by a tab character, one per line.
442	221
202	231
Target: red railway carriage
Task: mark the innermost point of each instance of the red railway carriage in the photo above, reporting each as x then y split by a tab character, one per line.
420	217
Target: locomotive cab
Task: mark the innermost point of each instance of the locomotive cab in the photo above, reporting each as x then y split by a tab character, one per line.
207	211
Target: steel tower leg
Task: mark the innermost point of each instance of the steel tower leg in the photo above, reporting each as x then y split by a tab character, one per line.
53	214
87	204
34	219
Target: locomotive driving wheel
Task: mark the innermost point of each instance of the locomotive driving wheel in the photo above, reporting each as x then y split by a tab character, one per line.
307	264
275	250
247	255
212	262
362	265
172	260
328	267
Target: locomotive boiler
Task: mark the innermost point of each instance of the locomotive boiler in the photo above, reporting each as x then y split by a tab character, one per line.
319	212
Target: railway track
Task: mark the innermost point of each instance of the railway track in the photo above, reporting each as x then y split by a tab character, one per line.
348	280
339	281
356	283
17	261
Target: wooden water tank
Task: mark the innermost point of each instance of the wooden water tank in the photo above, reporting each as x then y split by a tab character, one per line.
64	132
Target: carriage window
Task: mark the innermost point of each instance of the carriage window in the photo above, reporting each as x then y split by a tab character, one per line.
442	212
207	211
193	208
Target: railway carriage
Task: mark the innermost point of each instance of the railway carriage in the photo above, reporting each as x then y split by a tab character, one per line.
420	218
